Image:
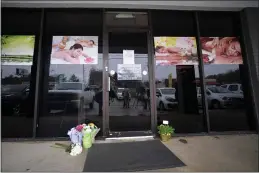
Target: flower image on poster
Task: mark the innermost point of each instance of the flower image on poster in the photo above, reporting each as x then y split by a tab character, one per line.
74	50
17	49
175	50
221	50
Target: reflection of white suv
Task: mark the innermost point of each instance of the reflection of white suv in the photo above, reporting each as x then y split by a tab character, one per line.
75	91
165	98
235	88
219	97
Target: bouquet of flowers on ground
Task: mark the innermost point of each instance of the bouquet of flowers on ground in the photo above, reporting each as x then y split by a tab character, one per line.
82	135
89	133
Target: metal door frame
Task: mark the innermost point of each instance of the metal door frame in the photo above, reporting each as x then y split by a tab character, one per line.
151	68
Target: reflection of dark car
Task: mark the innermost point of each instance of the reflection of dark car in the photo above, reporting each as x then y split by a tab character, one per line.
15	100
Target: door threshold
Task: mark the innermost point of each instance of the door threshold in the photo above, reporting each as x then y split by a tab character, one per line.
130	136
129	139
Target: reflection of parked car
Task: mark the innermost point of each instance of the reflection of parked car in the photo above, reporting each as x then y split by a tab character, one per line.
73	93
165	98
219	97
119	93
15	100
235	88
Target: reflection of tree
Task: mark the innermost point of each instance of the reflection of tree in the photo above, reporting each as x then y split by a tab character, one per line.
95	77
58	78
16	79
232	76
73	78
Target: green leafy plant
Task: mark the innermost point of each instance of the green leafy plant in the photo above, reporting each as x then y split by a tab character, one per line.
165	129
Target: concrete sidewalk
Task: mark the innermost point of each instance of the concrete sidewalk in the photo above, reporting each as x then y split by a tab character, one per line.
201	153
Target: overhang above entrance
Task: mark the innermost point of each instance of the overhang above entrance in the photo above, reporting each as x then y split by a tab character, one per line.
170	5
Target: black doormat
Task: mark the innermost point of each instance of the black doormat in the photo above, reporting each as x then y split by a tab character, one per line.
130	156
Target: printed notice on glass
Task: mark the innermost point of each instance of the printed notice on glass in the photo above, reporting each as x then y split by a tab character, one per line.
129	72
128	57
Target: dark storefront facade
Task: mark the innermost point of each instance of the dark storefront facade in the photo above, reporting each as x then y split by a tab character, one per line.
44	97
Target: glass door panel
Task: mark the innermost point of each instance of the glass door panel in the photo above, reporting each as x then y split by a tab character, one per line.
129	98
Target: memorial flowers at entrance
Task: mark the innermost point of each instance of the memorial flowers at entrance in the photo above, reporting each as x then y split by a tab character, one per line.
82	136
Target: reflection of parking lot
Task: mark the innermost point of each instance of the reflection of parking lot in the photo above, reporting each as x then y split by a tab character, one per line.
220	120
137	117
116	109
135	108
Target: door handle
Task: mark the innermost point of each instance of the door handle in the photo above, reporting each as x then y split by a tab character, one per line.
109	84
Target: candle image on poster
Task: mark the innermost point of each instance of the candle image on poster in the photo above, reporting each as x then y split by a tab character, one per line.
17	49
221	50
74	50
175	50
129	72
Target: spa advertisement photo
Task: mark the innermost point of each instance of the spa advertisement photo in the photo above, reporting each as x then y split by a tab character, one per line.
221	50
74	50
175	50
17	49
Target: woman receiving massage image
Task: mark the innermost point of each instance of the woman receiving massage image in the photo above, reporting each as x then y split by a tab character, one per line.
226	49
86	43
72	55
61	45
175	54
184	47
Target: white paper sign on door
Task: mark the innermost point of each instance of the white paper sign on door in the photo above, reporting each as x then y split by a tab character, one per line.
128	57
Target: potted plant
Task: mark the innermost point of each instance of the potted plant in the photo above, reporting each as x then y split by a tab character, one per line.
165	132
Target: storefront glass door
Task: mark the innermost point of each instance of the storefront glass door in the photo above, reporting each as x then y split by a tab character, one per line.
128	82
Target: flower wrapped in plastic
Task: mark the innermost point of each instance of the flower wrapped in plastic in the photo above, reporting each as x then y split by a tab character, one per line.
75	136
89	132
95	130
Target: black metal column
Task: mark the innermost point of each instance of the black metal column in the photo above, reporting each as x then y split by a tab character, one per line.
206	118
105	77
250	60
151	68
38	78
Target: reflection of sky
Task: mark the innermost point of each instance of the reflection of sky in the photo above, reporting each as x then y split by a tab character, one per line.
161	72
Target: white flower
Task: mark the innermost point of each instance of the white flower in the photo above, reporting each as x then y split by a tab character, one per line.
76	149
